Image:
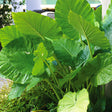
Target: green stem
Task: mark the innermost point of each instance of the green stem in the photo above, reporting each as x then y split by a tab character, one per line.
66	69
53	89
103	90
59	64
69	85
72	86
51	72
49	95
91	88
88	86
59	73
89	48
81	40
88	45
54	77
62	93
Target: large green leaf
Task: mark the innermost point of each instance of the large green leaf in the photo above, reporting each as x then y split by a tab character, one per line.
8	33
32	23
104	74
66	50
80	7
74	102
16	91
92	34
16	61
98	70
87	71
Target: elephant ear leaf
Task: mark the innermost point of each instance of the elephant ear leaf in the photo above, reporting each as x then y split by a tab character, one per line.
81	7
92	34
104	74
98	69
69	49
74	102
16	61
32	23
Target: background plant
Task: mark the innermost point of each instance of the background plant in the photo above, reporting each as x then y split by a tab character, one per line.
5	14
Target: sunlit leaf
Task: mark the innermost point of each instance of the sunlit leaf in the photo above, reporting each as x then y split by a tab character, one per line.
9	33
81	7
32	23
74	102
92	34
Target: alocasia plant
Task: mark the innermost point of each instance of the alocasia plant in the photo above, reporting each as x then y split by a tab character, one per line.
71	54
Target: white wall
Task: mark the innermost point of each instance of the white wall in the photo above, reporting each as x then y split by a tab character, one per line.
105	4
33	5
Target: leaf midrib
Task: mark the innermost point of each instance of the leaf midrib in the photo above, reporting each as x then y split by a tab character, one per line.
38	33
66	50
86	37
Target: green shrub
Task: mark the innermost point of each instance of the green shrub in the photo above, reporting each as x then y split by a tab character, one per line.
69	58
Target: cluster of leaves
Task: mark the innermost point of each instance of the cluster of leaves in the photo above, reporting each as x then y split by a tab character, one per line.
71	55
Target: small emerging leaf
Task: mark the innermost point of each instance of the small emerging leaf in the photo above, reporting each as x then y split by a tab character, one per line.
38	68
41	51
41	55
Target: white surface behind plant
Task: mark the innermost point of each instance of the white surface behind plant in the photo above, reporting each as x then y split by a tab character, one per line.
105	4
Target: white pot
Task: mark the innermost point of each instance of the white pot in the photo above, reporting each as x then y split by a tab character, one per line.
33	5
